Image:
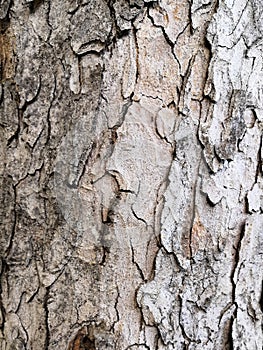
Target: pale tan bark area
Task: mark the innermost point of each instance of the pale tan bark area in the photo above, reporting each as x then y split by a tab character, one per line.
131	175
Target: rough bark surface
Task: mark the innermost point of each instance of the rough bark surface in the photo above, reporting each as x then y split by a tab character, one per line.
131	174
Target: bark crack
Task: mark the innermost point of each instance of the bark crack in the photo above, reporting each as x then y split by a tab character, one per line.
233	282
261	298
259	161
194	212
45	307
186	338
145	346
136	264
138	218
116	310
168	40
12	234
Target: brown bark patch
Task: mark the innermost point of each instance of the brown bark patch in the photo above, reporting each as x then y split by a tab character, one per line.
198	235
82	341
7	55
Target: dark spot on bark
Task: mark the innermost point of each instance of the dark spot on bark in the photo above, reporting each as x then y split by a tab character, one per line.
34	5
87	344
114	136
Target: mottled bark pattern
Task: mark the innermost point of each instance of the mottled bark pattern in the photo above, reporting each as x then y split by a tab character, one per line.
131	174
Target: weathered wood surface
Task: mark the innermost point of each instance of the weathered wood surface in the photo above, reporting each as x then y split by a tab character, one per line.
131	174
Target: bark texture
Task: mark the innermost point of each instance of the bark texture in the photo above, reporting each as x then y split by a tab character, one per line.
131	174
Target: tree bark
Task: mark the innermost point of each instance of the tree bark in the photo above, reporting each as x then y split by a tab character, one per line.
131	174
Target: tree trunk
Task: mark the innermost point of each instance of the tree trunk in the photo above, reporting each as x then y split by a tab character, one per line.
131	174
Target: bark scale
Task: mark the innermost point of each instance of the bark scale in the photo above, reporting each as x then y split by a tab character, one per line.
131	174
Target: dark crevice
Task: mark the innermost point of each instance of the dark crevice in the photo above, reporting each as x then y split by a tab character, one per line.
34	5
115	174
12	234
209	98
116	32
20	111
48	112
259	161
236	262
36	140
123	33
239	19
90	52
84	339
168	40
20	302
6	20
86	155
184	83
223	312
4	25
236	259
105	253
3	272
145	346
217	157
187	339
137	55
163	138
174	154
126	191
209	202
24	342
138	218
195	190
207	45
230	341
14	137
86	48
246	205
190	17
174	256
45	307
198	133
137	265
116	310
72	11
109	217
33	295
261	298
204	7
